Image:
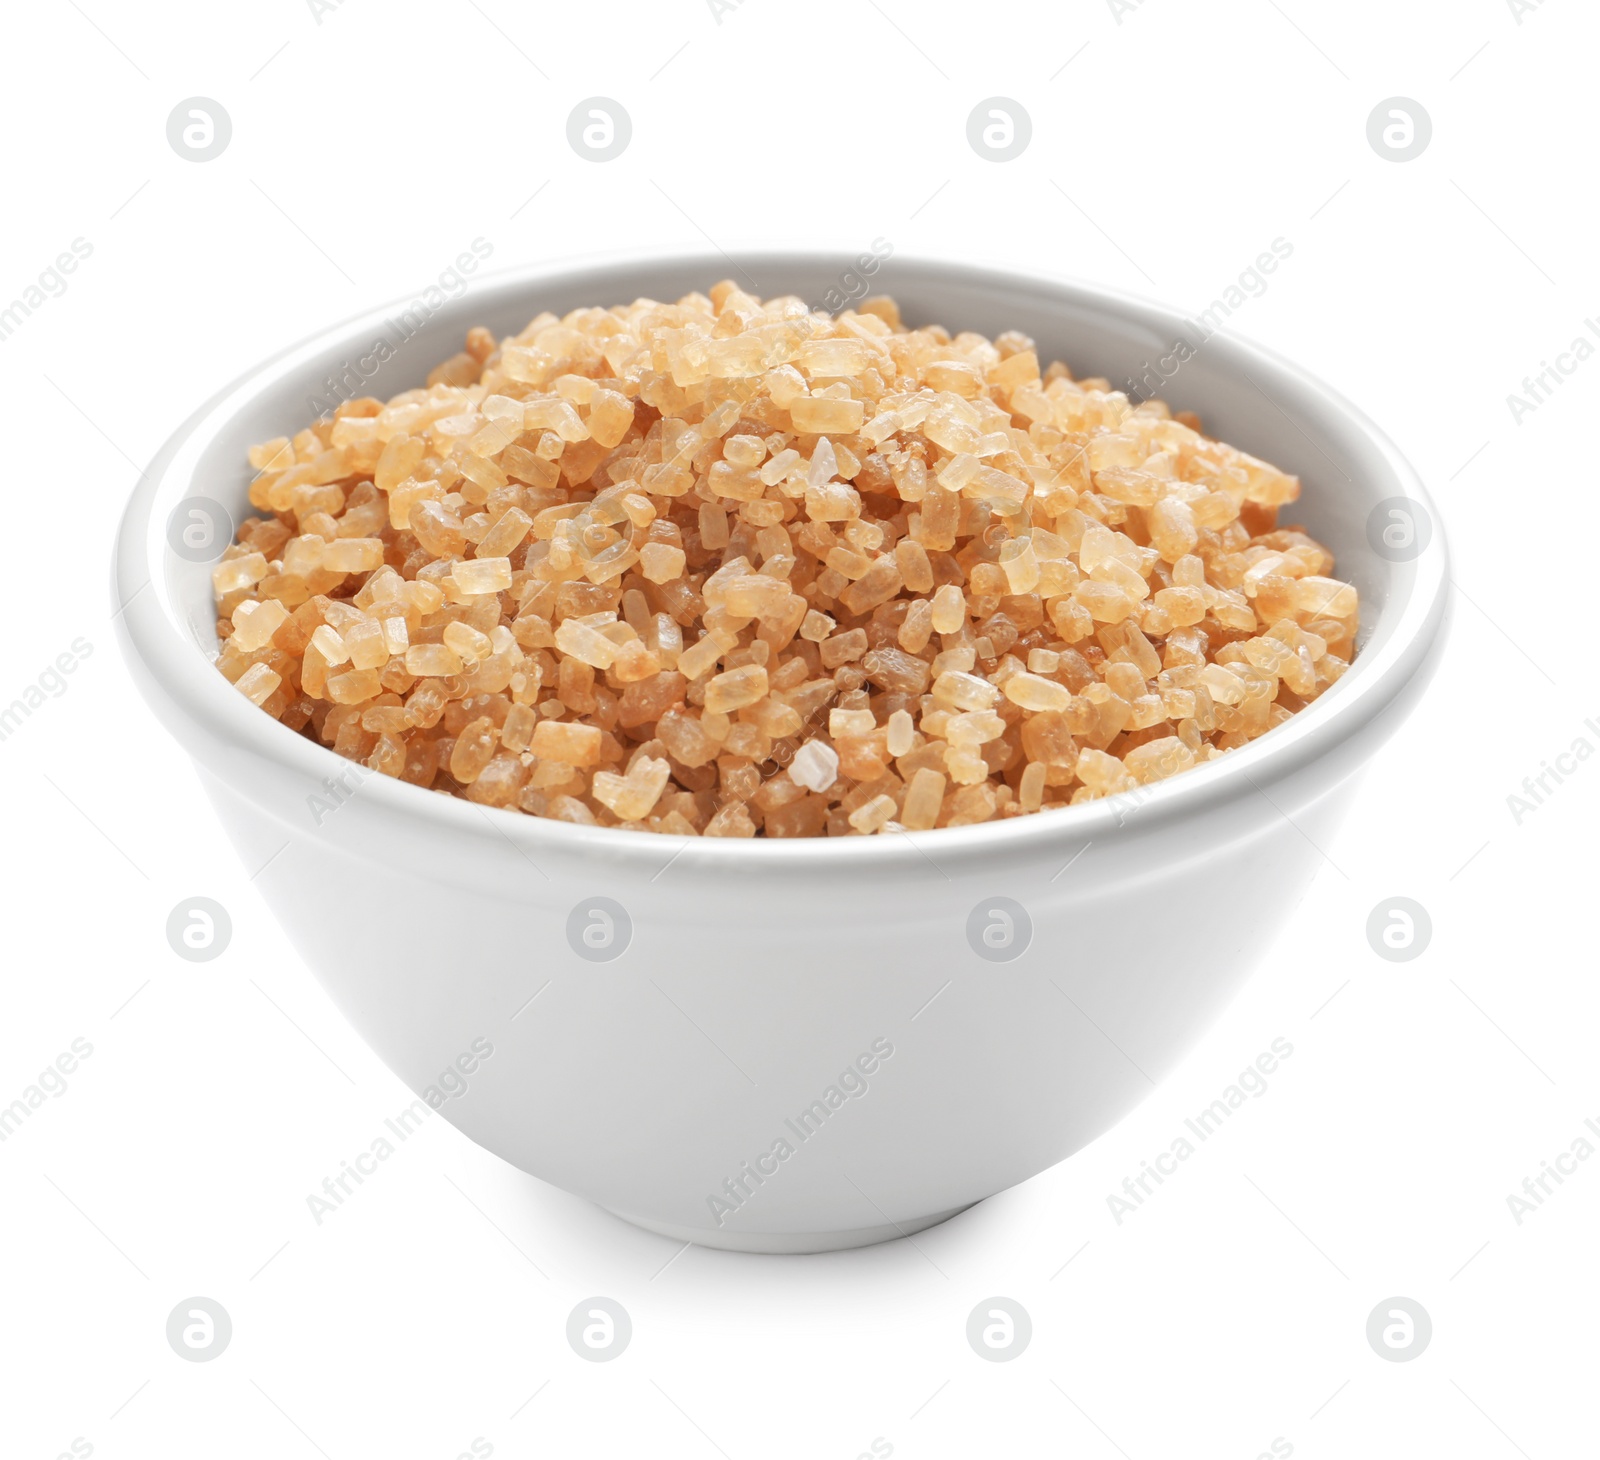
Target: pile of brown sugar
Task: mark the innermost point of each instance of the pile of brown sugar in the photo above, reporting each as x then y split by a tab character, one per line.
727	567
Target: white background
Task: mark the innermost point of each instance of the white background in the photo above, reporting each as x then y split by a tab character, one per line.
1168	150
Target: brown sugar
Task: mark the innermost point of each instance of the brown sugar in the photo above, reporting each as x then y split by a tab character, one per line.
733	567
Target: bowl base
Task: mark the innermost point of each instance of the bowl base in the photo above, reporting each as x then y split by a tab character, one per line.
792	1243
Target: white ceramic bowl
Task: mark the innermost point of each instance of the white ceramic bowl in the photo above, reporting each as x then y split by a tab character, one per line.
788	1046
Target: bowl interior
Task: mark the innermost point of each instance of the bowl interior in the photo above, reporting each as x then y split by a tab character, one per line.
1243	393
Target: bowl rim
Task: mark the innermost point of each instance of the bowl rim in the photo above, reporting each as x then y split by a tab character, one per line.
152	630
